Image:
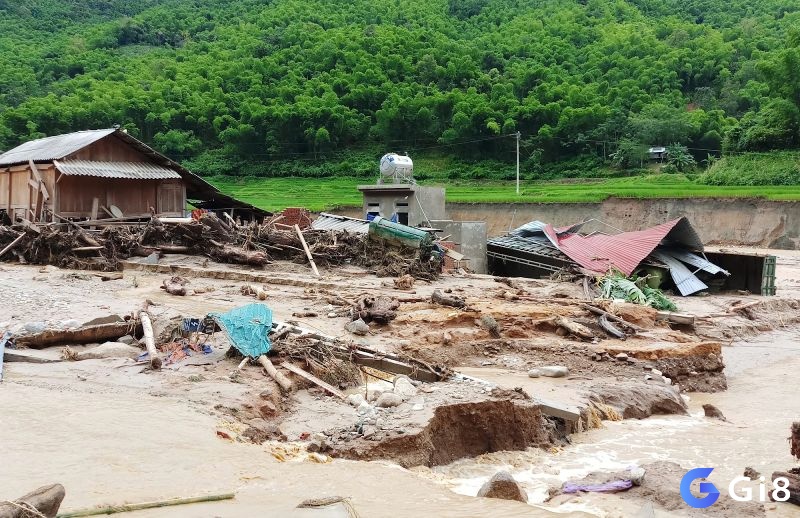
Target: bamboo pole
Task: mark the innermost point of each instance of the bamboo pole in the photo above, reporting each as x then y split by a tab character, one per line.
124	508
308	252
12	244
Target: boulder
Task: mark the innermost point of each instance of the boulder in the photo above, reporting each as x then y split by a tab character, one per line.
553	371
388	400
502	485
357	327
534	373
404	388
355	400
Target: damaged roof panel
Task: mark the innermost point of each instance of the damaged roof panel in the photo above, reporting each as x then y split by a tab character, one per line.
601	252
335	222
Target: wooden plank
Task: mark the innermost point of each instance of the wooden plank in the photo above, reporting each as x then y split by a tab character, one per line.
452	254
313	379
95	208
35	171
33	183
308	252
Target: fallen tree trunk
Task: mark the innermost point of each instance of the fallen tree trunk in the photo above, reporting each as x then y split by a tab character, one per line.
230	254
149	340
46	500
83	335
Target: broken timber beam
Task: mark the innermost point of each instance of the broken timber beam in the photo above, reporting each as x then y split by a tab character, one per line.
313	379
308	252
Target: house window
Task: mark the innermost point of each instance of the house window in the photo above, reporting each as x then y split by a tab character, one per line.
373	210
401	209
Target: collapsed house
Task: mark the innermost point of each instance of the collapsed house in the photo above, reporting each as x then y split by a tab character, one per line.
102	174
538	249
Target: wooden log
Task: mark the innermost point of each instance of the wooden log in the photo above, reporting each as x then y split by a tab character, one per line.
676	318
80	249
282	381
308	252
124	508
83	335
313	379
84	236
149	340
230	254
447	300
574	328
613	318
795	440
46	500
794	485
12	244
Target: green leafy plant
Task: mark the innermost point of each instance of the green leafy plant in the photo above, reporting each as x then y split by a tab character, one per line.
616	285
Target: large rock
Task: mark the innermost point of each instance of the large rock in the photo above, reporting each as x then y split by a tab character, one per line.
553	371
404	388
388	400
502	485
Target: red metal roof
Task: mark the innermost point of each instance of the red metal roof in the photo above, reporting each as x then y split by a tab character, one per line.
601	252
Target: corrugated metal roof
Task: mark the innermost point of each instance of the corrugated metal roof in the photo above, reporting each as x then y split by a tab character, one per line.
685	281
52	148
624	251
538	245
693	260
128	170
335	222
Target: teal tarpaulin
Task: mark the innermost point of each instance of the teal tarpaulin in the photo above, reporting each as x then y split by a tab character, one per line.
247	328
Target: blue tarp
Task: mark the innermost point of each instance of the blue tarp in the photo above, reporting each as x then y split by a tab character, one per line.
247	328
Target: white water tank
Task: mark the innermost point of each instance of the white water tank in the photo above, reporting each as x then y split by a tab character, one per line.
396	166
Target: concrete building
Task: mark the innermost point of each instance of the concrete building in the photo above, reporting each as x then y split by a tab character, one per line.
413	204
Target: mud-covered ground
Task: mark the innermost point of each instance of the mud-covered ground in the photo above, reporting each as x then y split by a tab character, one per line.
497	402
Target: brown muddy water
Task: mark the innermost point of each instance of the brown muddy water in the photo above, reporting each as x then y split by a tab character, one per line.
115	446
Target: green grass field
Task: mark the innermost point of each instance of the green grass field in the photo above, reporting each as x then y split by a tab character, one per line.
319	194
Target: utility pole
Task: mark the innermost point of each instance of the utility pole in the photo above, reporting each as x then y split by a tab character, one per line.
518	135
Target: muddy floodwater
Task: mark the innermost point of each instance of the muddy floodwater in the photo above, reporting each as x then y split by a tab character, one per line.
126	445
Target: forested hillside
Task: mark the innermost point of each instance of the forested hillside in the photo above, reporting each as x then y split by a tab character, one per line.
321	86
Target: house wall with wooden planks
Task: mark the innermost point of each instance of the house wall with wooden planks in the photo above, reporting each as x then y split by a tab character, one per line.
17	195
110	149
133	197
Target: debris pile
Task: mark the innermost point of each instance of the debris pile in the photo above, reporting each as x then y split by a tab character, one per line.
669	255
76	245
